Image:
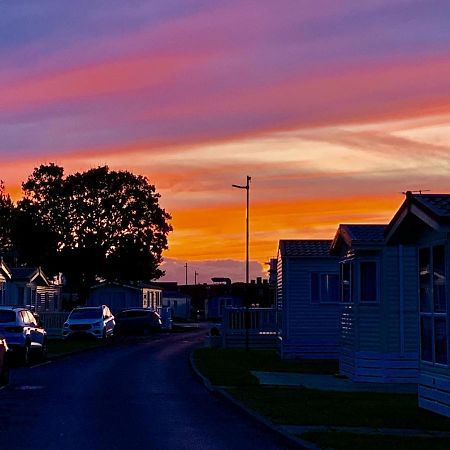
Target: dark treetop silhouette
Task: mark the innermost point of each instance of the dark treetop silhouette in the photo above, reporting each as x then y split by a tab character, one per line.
90	225
6	220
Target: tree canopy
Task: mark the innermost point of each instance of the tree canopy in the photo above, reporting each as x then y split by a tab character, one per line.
6	218
97	224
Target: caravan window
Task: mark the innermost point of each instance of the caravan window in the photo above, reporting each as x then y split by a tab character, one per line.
433	305
368	281
424	279
324	287
439	300
346	282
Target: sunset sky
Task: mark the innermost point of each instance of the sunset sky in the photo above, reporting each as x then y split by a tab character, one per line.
332	107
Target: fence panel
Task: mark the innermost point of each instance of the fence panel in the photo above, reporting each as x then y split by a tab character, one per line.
53	322
262	327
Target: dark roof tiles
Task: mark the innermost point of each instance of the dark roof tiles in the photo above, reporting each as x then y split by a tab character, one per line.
365	232
438	203
23	273
305	247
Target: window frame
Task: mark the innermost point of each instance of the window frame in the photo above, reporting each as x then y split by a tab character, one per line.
377	281
431	314
319	300
350	263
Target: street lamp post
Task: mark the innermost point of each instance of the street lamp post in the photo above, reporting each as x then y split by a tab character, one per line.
247	215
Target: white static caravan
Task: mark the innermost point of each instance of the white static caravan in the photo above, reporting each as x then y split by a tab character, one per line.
379	333
30	287
120	296
423	221
178	303
5	275
308	295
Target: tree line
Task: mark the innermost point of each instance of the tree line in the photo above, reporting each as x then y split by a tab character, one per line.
94	225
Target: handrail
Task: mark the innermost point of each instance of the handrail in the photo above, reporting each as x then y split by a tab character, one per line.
260	320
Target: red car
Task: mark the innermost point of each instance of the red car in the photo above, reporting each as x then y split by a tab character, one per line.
4	362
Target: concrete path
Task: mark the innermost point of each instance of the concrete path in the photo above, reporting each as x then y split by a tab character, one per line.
299	429
329	383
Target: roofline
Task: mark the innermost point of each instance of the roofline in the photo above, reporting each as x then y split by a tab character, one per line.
37	272
413	205
347	238
283	255
334	243
42	274
304	240
311	256
5	268
126	285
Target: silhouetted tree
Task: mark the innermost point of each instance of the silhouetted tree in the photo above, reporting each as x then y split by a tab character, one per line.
6	221
99	223
40	221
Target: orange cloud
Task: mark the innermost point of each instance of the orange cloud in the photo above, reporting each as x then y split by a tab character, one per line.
210	233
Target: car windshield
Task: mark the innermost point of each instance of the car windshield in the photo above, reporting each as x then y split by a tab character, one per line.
7	316
86	314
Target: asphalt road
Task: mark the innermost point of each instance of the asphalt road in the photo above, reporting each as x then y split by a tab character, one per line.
138	395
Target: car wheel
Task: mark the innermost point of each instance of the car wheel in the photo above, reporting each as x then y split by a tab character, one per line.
44	350
26	354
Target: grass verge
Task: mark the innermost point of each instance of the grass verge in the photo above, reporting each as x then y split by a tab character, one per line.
59	347
232	367
352	441
297	406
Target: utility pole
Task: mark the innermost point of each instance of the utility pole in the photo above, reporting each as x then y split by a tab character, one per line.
247	218
195	277
186	267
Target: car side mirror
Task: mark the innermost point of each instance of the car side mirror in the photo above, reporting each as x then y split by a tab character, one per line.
38	320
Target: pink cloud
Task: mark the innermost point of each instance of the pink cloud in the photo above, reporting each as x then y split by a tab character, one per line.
95	80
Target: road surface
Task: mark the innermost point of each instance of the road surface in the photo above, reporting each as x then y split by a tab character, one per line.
138	395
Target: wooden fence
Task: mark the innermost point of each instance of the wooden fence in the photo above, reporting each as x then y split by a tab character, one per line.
53	322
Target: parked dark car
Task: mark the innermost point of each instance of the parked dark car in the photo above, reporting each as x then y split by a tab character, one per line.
138	321
4	362
24	334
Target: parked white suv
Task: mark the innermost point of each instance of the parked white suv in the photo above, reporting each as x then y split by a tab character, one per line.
95	321
23	332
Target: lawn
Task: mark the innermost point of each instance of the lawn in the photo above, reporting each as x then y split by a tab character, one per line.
352	441
231	367
59	347
299	406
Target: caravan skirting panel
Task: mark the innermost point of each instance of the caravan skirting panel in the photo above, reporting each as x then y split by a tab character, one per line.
377	367
434	393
